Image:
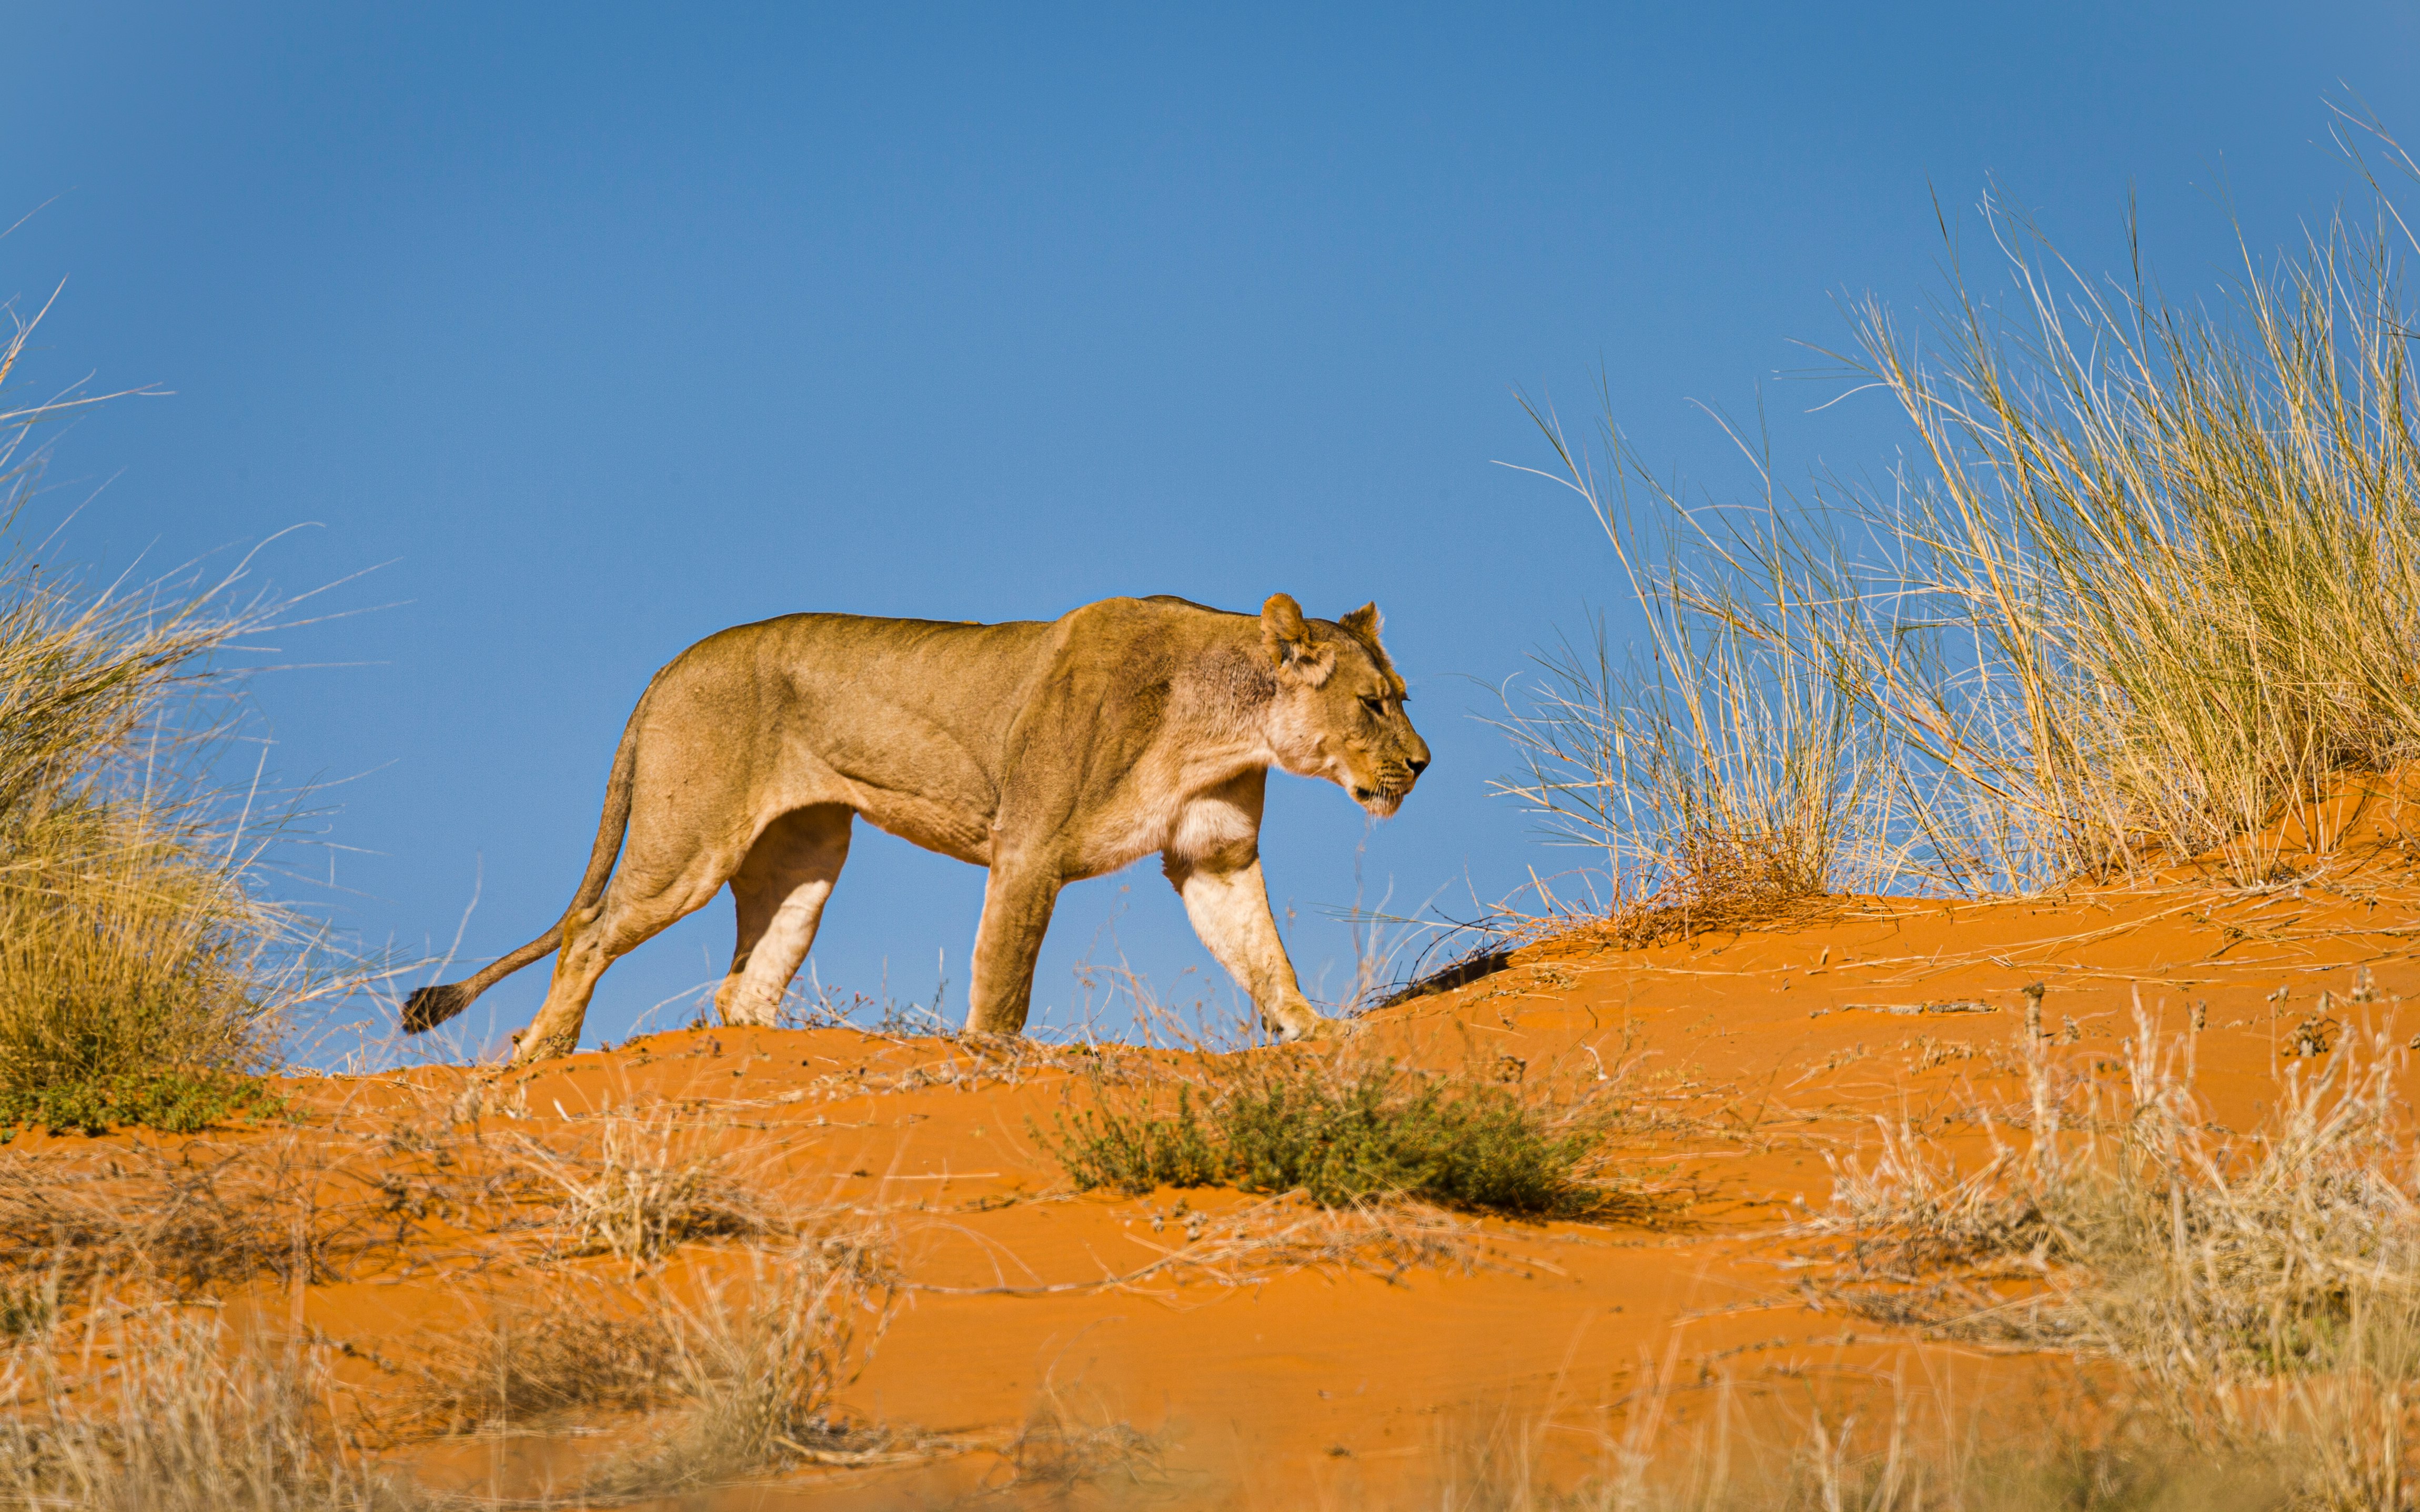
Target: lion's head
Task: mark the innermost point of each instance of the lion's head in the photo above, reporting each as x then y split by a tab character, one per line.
1340	705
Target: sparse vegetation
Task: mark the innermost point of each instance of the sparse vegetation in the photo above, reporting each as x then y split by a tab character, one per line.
2148	579
522	1364
1366	1135
28	1307
1056	1453
647	1189
1819	1461
145	975
195	1423
2266	1288
755	1374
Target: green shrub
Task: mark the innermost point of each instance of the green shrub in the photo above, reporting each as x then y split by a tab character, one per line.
1136	1152
1375	1135
171	1101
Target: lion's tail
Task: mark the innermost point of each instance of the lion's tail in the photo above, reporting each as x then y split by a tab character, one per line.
431	1006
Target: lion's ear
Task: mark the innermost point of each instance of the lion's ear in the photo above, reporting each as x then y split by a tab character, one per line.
1362	624
1286	637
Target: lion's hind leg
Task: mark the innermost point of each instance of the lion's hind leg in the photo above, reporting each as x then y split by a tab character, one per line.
635	909
780	892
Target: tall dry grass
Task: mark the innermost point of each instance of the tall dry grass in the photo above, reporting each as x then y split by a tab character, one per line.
2147	575
2262	1288
755	1364
1899	1450
1725	771
187	1420
144	970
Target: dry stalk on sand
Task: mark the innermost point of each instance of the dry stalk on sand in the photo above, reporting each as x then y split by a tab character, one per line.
191	1216
650	1185
1252	1245
186	1420
2265	1286
2147	582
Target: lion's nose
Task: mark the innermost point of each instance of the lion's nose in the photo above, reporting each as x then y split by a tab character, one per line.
1418	764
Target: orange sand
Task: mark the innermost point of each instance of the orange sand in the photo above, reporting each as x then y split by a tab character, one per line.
1323	1385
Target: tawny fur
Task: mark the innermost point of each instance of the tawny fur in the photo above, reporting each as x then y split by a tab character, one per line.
1045	752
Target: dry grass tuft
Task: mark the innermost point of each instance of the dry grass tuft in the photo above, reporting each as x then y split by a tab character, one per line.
2145	584
145	973
755	1368
527	1361
1056	1453
648	1188
1723	783
2264	1287
188	1421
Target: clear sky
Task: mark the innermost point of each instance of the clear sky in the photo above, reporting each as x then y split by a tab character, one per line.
595	329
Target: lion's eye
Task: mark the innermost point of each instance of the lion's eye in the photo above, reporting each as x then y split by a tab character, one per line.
1377	706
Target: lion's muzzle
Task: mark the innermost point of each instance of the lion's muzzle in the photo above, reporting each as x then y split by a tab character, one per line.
1385	793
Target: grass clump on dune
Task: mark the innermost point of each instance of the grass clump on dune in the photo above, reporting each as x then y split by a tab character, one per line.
2262	1288
2144	580
1376	1133
144	976
195	1420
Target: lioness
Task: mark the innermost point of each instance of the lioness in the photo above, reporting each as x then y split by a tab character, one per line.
1047	752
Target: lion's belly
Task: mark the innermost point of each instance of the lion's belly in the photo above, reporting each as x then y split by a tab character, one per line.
914	800
945	828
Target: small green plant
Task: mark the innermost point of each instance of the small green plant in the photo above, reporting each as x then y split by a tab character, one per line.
170	1101
1376	1133
1136	1152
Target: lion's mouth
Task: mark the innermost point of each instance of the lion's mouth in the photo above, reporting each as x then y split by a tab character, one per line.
1381	801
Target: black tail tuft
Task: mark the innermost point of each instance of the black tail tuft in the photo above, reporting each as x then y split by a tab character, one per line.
431	1006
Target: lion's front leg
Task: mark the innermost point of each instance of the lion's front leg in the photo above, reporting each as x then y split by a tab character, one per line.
1017	901
1230	910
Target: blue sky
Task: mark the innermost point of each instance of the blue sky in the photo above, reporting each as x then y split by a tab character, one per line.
594	328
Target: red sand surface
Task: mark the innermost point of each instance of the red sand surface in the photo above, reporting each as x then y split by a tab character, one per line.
1264	1377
